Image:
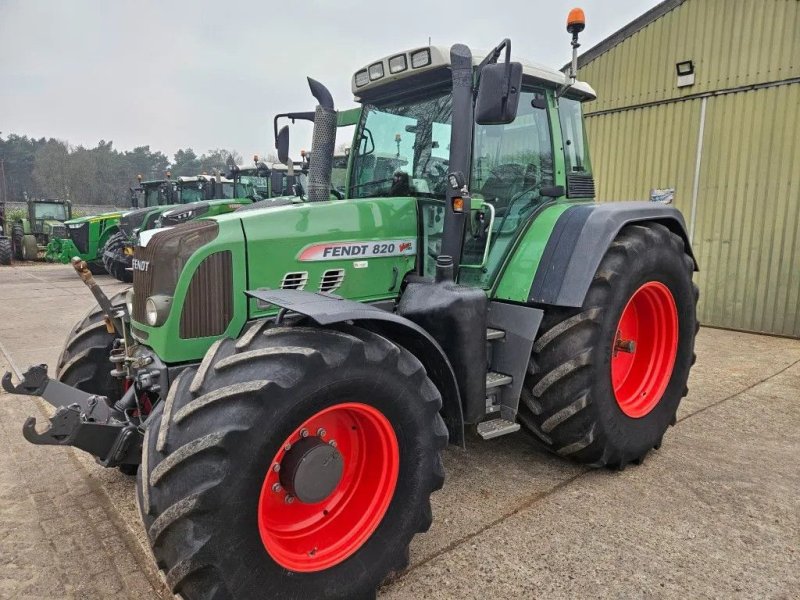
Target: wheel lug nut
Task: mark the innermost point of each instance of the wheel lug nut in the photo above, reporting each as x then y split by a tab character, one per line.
288	446
277	488
289	499
321	432
276	467
333	443
304	433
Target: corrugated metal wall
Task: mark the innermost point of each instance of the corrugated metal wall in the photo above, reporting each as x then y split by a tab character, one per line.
732	43
747	214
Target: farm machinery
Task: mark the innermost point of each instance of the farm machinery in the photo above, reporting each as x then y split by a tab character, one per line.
44	220
286	378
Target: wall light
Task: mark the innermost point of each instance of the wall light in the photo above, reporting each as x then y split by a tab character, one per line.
685	70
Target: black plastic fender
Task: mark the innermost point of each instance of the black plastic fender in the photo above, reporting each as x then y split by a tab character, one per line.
579	240
326	309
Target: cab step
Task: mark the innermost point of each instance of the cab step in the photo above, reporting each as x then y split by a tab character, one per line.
496	427
494	380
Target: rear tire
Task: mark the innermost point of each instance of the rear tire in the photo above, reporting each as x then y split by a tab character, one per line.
5	251
572	400
30	248
114	258
84	360
204	489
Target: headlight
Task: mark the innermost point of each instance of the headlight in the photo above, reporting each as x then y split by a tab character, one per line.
156	309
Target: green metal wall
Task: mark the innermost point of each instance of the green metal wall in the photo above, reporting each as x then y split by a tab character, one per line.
746	226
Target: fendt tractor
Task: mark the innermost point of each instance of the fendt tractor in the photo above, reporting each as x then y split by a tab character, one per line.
286	378
44	220
84	237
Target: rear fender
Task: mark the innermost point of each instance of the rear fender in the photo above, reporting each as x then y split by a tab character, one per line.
328	310
579	240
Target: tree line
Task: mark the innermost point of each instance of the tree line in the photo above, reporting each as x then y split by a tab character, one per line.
51	168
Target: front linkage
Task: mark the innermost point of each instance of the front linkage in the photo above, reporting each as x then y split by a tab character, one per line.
110	431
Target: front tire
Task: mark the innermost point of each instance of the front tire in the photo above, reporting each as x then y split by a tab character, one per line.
84	360
605	380
17	233
30	248
208	482
114	259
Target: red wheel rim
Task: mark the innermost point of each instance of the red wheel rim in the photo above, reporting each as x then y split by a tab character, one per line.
311	537
644	349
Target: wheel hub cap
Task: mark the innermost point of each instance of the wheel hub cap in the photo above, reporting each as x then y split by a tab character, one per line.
311	470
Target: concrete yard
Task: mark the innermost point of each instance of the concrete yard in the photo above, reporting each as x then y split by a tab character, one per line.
715	513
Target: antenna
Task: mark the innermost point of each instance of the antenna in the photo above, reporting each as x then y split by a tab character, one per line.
576	22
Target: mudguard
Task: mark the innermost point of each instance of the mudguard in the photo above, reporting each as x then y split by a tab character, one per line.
579	240
326	309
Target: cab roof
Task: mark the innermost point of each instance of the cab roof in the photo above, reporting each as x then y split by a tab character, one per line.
433	58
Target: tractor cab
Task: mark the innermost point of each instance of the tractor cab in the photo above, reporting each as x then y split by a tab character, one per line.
156	192
48	214
512	170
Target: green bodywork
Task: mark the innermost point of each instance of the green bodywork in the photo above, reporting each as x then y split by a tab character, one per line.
268	243
87	236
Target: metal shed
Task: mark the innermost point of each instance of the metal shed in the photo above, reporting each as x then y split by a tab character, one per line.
703	96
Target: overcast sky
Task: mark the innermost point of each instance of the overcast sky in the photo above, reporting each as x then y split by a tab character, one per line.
200	74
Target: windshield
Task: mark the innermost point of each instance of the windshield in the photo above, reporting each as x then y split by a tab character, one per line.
156	195
403	149
260	184
45	210
192	192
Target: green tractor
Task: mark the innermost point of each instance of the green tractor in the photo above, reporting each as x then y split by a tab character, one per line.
44	221
6	248
298	370
84	237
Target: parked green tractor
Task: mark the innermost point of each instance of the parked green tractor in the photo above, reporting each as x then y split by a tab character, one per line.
298	370
84	237
44	221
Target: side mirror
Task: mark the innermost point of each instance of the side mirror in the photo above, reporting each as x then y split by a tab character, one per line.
282	144
553	191
498	93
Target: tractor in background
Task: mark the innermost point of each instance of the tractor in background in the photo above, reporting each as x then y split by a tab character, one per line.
286	378
84	237
44	221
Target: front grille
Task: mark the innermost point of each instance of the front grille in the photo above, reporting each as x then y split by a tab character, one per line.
80	237
580	185
58	232
157	266
208	306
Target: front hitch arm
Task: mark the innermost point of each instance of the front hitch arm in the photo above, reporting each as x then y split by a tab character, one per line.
82	269
82	420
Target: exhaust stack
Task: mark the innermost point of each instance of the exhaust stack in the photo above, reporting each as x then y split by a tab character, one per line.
322	144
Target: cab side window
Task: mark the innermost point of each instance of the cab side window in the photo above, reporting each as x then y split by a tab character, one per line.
580	183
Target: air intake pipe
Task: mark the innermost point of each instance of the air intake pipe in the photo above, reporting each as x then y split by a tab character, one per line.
322	144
